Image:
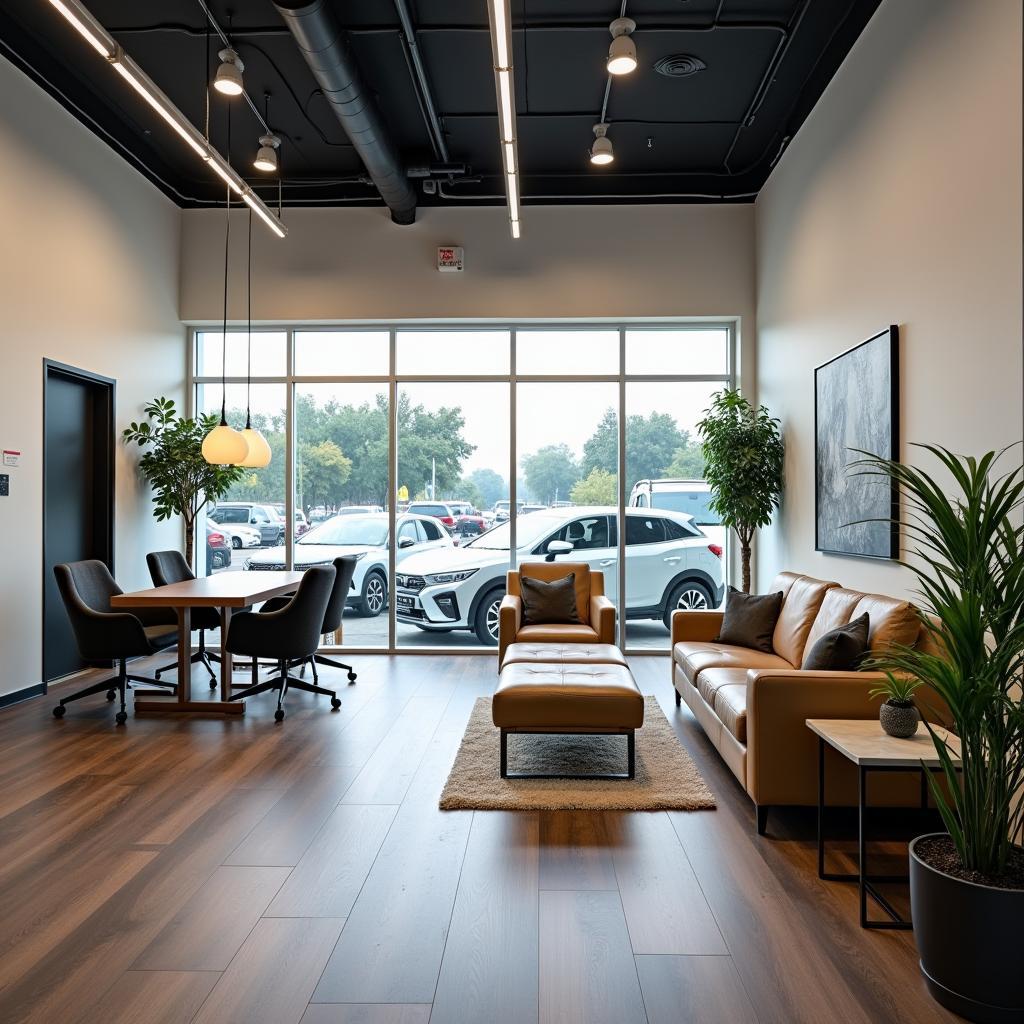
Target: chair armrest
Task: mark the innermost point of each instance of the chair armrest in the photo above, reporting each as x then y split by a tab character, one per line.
510	617
602	618
111	635
701	627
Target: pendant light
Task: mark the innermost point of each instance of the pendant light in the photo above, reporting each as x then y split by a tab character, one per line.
622	52
259	450
225	446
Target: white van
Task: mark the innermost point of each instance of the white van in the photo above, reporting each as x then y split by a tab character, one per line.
692	497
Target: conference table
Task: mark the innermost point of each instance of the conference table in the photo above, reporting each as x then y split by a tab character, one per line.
226	591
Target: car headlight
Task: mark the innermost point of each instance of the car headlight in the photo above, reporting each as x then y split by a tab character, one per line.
448	577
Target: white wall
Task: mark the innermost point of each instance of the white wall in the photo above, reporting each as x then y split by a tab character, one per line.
88	276
354	264
898	202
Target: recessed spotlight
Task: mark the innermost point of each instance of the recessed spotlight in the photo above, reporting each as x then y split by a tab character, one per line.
266	158
622	52
601	152
229	74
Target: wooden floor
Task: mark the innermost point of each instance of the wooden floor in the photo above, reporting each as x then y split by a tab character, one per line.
178	870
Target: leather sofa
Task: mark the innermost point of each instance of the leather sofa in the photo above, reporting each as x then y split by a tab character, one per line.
596	612
753	705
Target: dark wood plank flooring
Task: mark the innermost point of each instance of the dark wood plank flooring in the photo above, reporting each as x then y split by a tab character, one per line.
182	870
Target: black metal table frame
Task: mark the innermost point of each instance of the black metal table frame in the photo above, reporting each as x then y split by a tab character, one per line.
630	735
862	878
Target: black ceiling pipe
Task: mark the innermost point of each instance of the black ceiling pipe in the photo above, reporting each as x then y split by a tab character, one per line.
322	42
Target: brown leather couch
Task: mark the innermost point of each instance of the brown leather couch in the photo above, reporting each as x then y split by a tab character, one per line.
753	706
596	612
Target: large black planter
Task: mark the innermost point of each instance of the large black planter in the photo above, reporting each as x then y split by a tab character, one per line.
968	936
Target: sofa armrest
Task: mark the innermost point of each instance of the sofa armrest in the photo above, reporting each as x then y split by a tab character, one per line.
782	753
510	616
701	627
602	618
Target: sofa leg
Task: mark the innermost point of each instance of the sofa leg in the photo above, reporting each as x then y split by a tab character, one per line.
504	754
762	819
679	697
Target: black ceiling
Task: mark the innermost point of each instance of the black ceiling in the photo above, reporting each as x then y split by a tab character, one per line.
714	134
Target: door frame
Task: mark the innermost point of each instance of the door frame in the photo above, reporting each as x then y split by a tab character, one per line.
52	367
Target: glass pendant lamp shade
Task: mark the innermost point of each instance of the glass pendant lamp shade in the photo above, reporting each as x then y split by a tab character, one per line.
225	446
259	450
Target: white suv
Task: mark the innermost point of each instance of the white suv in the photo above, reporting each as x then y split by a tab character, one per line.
670	565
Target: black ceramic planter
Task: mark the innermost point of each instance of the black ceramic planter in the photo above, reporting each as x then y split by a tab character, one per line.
968	937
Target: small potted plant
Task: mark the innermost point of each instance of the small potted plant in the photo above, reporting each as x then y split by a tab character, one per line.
898	713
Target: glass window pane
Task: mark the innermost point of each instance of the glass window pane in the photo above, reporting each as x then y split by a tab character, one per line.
576	352
465	353
269	353
453	450
683	352
342	353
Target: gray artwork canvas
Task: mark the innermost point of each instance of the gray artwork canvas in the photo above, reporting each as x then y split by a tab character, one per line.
856	398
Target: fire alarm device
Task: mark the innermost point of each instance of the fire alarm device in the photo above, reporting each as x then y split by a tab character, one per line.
449	258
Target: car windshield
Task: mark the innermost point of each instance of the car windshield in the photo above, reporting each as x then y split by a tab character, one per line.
528	532
694	503
368	530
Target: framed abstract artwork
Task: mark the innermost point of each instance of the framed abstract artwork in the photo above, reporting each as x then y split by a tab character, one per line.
856	407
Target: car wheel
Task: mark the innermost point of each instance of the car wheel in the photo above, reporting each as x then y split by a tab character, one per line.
689	596
375	595
236	543
485	625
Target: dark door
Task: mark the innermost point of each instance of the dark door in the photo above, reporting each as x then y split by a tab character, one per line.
78	493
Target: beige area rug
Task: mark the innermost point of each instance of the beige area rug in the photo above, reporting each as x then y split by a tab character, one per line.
666	778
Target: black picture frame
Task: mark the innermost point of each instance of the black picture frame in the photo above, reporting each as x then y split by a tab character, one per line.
871	423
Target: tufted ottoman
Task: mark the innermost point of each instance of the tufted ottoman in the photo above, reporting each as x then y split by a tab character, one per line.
566	697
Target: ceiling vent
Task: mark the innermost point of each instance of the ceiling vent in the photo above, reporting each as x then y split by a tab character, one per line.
679	65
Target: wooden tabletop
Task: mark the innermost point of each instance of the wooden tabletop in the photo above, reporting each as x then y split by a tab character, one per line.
864	743
223	590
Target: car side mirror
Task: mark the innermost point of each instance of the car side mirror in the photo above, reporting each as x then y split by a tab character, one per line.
406	542
557	547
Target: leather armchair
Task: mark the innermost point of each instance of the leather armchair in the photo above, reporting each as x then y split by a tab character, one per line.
596	612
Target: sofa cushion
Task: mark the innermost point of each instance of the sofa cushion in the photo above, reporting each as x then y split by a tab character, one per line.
799	611
783	581
694	656
565	633
892	621
711	680
749	620
731	708
547	602
840	650
836	610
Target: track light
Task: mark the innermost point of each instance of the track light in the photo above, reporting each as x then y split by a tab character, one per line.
622	52
601	152
504	87
266	158
229	74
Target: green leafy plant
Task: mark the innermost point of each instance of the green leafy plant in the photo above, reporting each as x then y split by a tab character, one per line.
172	463
743	456
896	689
966	551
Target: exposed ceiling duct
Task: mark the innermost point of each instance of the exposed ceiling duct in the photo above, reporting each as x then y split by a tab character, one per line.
322	42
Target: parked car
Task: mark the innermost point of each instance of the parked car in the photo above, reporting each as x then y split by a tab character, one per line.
437	509
501	509
218	552
671	565
691	497
318	515
301	526
356	510
248	513
366	537
241	536
470	524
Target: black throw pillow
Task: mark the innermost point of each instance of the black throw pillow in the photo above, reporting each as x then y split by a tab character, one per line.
749	620
839	650
549	603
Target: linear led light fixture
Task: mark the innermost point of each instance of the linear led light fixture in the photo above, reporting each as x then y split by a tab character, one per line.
105	45
505	90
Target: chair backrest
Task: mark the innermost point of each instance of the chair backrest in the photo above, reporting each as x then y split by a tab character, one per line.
588	582
86	588
168	567
305	612
345	568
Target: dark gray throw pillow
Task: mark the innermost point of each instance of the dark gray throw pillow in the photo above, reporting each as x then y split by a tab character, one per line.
549	603
749	620
839	650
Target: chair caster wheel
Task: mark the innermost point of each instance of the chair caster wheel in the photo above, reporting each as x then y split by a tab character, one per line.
351	677
213	684
335	703
59	710
111	694
279	715
121	717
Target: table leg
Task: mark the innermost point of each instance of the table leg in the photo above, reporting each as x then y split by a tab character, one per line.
862	867
226	666
184	655
821	807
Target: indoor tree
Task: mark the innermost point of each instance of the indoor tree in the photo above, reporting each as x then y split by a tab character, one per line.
743	461
172	463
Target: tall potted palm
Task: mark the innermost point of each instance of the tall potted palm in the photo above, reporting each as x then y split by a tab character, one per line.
966	551
172	462
743	461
